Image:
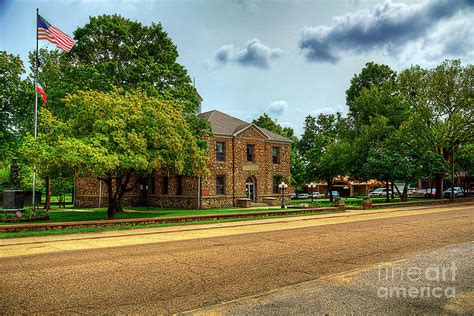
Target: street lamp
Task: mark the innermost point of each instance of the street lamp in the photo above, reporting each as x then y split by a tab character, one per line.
312	185
283	186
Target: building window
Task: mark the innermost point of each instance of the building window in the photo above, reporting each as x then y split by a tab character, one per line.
220	151
276	155
250	152
220	185
164	188
275	184
179	185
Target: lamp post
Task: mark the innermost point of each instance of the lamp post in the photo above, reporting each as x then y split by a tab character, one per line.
283	186
312	185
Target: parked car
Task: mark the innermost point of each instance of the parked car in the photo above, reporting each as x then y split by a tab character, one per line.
318	195
379	192
458	192
293	195
430	193
411	192
419	193
303	196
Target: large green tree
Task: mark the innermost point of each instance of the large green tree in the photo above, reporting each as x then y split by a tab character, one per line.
376	137
113	51
441	104
371	75
323	152
451	94
117	136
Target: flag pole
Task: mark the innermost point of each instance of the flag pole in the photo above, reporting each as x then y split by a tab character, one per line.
33	196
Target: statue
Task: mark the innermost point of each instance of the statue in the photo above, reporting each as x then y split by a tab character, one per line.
14	167
13	198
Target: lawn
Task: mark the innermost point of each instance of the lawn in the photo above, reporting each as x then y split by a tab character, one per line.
72	215
98	229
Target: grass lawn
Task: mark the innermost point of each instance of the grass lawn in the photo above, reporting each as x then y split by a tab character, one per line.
55	198
97	229
72	215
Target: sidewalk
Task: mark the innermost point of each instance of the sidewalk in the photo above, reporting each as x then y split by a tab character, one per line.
105	239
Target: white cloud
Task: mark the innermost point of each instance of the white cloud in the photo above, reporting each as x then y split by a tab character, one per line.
254	54
387	27
277	108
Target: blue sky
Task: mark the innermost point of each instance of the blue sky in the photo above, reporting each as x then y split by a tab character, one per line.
287	58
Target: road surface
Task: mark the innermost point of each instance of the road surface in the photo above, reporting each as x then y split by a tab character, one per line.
199	270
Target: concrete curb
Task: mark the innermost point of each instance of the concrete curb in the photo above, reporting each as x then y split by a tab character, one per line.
421	203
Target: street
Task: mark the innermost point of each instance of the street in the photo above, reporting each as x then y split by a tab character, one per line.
279	267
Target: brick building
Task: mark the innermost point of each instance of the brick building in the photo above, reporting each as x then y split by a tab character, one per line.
246	163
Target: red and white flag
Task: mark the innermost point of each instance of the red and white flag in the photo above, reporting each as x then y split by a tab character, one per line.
54	35
40	89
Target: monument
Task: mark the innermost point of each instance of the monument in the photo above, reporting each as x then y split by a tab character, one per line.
13	198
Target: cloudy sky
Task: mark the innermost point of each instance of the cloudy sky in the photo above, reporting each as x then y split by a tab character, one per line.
287	58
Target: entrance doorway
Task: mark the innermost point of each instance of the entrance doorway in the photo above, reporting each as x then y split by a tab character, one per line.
250	189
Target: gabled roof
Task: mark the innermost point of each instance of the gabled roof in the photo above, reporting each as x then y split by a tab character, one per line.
223	124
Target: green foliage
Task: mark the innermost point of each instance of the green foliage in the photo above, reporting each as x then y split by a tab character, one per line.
325	155
113	51
371	75
329	163
16	105
25	177
409	126
265	121
319	131
115	133
465	159
113	136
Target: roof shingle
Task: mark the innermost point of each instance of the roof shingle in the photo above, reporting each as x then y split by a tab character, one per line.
223	124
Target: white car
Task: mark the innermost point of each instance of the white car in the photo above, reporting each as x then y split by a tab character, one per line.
303	196
379	192
458	192
317	195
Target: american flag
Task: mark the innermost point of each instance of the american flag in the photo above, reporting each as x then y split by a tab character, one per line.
54	35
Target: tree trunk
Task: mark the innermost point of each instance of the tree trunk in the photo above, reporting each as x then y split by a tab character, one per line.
330	191
47	202
110	198
398	191
405	192
115	196
465	183
439	185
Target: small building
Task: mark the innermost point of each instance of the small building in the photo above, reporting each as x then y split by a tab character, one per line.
346	187
246	164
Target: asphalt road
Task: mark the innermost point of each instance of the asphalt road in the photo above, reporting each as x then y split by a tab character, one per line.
411	286
178	276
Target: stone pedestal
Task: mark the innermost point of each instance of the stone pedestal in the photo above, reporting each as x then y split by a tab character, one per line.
271	201
13	200
244	203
